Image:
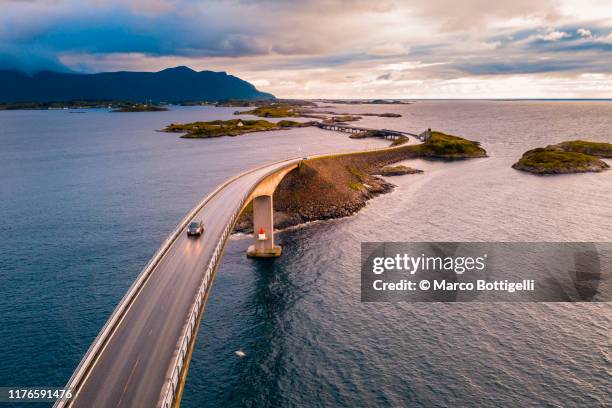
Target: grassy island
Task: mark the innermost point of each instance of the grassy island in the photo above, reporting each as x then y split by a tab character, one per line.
442	146
273	110
338	186
342	119
598	149
234	127
141	108
575	156
398	170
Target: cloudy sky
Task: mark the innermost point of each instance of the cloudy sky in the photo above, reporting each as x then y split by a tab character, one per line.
334	49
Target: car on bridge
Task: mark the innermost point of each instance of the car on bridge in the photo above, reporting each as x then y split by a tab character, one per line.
195	228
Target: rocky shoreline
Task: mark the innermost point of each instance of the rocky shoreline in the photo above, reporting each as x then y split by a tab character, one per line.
339	186
287	217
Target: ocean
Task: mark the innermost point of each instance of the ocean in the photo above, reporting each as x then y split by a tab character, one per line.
88	198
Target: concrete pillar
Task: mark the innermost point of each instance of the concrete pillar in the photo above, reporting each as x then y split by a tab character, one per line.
263	229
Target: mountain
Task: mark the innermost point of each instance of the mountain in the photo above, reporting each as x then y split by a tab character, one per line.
170	85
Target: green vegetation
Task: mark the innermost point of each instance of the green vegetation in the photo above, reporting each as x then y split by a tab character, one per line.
355	185
141	108
234	127
598	149
443	146
398	170
566	157
400	141
273	110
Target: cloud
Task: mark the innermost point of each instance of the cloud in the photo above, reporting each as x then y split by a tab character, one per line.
313	45
553	36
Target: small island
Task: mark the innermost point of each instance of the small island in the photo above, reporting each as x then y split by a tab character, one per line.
272	110
341	119
575	156
234	127
439	145
398	170
141	108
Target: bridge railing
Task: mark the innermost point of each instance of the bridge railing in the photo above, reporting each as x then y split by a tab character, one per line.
191	326
88	361
169	393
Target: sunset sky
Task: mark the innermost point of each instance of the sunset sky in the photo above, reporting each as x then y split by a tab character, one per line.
333	49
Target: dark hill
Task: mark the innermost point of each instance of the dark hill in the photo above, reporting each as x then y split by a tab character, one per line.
170	85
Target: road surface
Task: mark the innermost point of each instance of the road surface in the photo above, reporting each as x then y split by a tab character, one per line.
131	369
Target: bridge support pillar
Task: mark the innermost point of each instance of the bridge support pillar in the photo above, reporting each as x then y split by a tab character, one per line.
263	229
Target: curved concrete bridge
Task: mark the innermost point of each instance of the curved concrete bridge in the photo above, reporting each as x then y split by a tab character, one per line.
141	356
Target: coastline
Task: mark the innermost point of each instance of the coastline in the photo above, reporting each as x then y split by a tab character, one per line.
341	185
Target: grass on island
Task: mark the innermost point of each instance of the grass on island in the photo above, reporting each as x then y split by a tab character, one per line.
398	170
234	127
400	141
599	149
560	159
441	145
341	119
546	158
274	110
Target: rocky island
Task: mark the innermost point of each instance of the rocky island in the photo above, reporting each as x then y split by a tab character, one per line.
575	156
234	127
448	147
339	186
398	170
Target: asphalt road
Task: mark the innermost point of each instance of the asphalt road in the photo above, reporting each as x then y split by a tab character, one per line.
131	369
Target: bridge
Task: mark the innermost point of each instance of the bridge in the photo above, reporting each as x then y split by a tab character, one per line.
141	356
383	133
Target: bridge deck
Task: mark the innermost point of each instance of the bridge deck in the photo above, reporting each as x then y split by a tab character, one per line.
383	133
133	359
132	368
